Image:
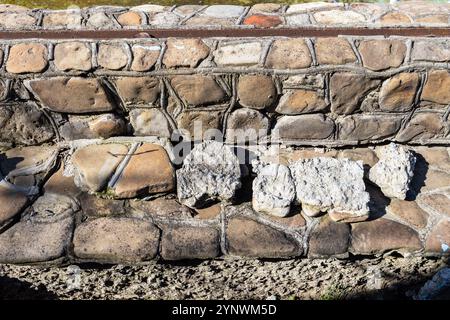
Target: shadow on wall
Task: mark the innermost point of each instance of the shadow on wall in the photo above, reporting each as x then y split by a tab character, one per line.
14	289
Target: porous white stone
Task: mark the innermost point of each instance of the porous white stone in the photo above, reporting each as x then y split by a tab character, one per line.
273	189
394	171
210	172
327	184
224	11
238	54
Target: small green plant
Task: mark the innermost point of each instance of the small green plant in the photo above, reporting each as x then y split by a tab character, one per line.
333	292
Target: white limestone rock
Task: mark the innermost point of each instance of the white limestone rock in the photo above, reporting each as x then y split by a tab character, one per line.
334	185
210	172
273	189
394	171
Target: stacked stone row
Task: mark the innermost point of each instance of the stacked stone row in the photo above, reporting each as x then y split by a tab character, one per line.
320	91
260	15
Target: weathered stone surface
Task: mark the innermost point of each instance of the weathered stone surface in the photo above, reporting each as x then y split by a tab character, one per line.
27	57
99	20
116	240
327	184
202	20
273	189
73	56
43	235
224	11
180	243
439	203
160	207
289	54
102	126
95	164
145	56
198	89
303	127
409	212
435	88
210	172
150	122
96	206
397	93
334	51
265	7
316	81
368	127
435	179
149	171
188	9
301	101
3	86
312	6
435	157
238	54
256	91
347	90
138	90
58	183
263	21
338	17
75	95
433	19
184	52
199	125
249	238
423	126
294	221
437	50
367	156
167	19
298	19
24	124
394	171
329	239
208	213
382	54
395	18
129	19
12	203
112	56
64	19
16	20
438	240
246	125
378	236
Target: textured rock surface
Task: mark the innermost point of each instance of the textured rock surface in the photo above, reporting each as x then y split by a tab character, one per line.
185	52
394	171
12	203
301	101
289	54
256	91
27	57
138	90
210	172
303	127
198	89
73	56
246	125
329	239
150	122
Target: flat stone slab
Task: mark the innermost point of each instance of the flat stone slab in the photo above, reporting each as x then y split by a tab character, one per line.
12	203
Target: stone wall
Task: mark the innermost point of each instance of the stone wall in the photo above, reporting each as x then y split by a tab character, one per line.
96	136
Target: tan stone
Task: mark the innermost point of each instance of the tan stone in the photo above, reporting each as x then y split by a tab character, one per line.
107	125
198	89
95	206
95	164
294	221
70	20
25	157
409	212
431	50
160	207
435	157
436	87
368	127
116	240
27	57
397	93
130	18
422	126
148	171
434	19
438	240
334	51
205	119
184	52
73	56
112	56
58	183
304	127
382	54
265	7
346	217
145	56
437	202
12	203
395	18
338	17
138	90
435	179
71	95
17	20
301	101
207	213
367	156
289	54
256	91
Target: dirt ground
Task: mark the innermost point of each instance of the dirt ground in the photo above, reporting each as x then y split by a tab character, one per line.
376	278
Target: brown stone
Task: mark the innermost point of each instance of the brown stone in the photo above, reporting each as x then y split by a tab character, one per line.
207	213
138	90
382	54
181	243
367	156
347	90
148	171
334	51
436	157
304	127
72	95
12	203
395	18
329	238
58	183
249	238
129	19
85	127
73	56
95	206
378	236
368	127
294	221
256	91
198	89
184	52
409	212
265	7
160	207
60	20
437	202
301	101
435	179
95	164
262	21
246	125
27	57
112	56
145	56
422	126
107	125
116	240
434	19
438	240
436	87
204	120
397	93
289	54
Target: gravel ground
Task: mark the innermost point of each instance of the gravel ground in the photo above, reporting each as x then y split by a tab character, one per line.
380	278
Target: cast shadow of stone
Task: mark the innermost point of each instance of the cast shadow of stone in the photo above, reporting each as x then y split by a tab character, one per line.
14	289
418	180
